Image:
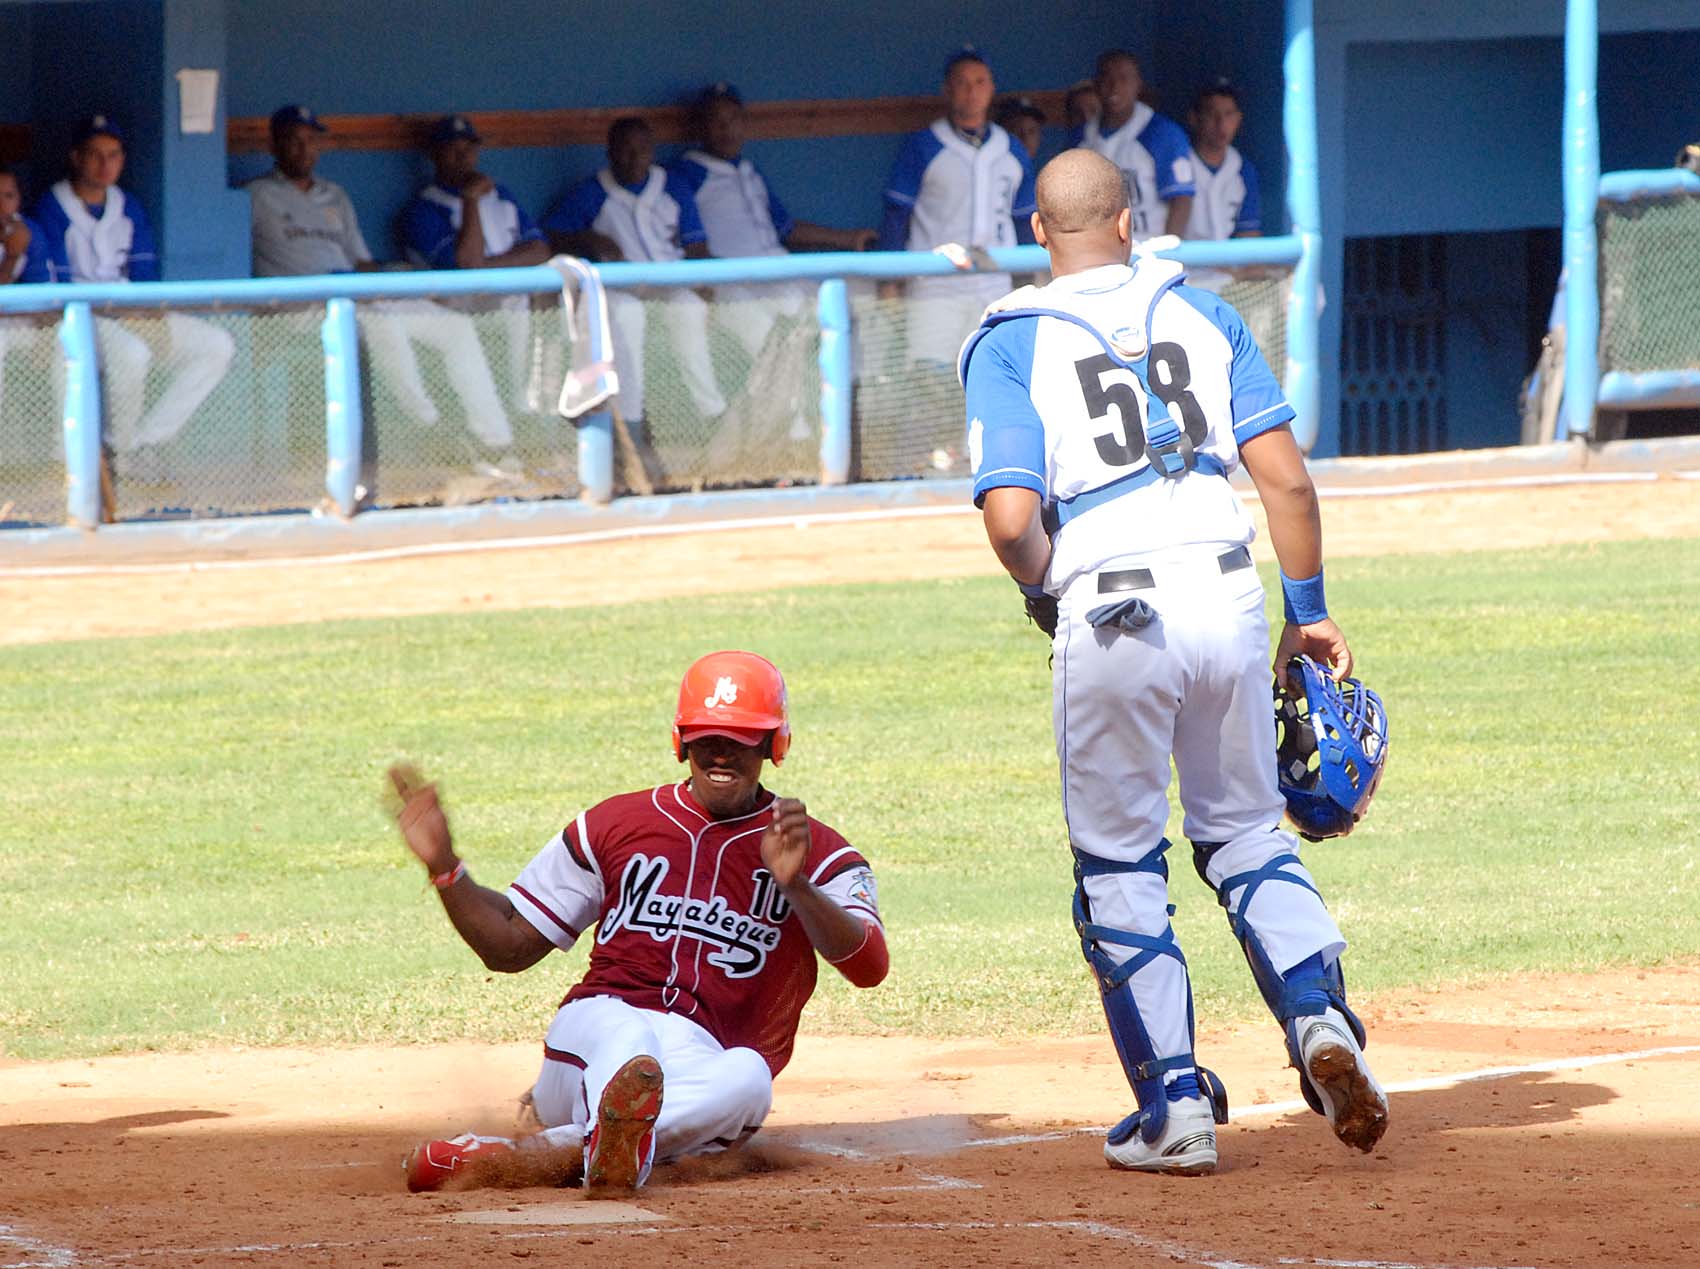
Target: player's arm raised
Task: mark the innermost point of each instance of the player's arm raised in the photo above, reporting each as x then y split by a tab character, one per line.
1277	467
485	919
854	946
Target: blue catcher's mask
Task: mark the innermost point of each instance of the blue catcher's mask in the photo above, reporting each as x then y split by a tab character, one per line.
1330	749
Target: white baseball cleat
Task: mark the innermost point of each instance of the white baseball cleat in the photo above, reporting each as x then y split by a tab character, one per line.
1186	1148
1351	1098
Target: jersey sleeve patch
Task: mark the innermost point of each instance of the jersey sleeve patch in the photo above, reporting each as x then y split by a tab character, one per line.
1171	151
1006	438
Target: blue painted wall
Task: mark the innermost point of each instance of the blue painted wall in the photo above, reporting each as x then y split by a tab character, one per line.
402	56
15	63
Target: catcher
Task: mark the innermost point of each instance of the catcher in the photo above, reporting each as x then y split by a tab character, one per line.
710	899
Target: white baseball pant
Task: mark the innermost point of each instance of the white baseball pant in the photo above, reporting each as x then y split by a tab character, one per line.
1195	684
686	315
390	329
197	355
711	1097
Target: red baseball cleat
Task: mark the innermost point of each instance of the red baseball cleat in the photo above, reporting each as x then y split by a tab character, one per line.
429	1166
621	1147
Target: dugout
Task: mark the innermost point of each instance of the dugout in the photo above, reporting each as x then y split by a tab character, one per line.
1438	142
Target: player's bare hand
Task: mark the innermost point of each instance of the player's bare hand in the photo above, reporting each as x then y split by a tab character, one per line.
785	844
1321	641
860	239
418	813
16	239
476	186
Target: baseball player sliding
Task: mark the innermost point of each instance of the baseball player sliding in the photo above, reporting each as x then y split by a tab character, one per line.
1105	413
710	899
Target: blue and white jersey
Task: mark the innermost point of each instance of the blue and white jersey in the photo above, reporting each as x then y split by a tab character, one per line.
110	243
1227	202
1155	157
1057	403
653	221
431	223
32	265
739	210
943	188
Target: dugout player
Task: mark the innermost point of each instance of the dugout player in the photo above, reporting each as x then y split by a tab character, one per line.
960	179
1150	149
94	232
634	210
1228	203
710	899
1106	411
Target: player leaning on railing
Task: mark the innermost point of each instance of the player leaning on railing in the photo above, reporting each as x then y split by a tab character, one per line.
1105	412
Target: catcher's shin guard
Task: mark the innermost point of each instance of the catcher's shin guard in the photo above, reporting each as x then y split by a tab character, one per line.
1146	1072
1308	989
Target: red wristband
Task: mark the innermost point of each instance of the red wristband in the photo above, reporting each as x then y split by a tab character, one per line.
443	880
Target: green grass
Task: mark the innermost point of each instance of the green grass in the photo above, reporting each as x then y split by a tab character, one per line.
193	852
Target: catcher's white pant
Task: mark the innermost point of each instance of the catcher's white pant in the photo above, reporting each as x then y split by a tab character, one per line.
1196	684
686	315
391	327
711	1097
196	356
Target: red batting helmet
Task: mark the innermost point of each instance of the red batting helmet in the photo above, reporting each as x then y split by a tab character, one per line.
736	694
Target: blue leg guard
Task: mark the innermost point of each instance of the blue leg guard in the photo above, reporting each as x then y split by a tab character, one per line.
1311	987
1144	1069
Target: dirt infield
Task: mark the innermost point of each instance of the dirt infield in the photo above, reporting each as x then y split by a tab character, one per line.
1544	1122
290	1157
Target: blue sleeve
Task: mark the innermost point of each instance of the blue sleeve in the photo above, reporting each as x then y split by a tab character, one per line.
1025	201
1006	439
782	222
35	256
904	184
1250	219
578	210
688	173
143	264
528	230
428	234
51	217
1259	405
1076	136
1171	151
894	229
690	219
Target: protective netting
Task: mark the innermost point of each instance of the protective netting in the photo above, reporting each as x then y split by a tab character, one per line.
1649	281
32	451
909	417
722	393
460	400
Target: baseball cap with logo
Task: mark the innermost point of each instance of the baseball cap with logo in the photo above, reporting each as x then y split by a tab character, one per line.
288	116
454	128
97	126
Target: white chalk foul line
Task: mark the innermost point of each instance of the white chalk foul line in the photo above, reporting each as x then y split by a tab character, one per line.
1422	1084
36	1253
800	521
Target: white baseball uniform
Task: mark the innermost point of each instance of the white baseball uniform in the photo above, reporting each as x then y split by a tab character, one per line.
114	243
948	187
1153	154
1227	204
653	221
1060	394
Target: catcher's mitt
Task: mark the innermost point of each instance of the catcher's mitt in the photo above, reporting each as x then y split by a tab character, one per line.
1041	609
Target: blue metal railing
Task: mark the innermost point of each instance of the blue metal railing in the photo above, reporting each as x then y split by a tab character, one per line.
339	293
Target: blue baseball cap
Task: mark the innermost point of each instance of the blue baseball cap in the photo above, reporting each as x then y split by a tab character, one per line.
721	91
454	128
97	126
967	53
288	116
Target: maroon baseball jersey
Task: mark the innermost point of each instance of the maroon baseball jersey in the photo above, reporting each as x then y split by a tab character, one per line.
688	920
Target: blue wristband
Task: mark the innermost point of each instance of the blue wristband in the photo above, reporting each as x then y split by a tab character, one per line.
1302	601
1031	591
